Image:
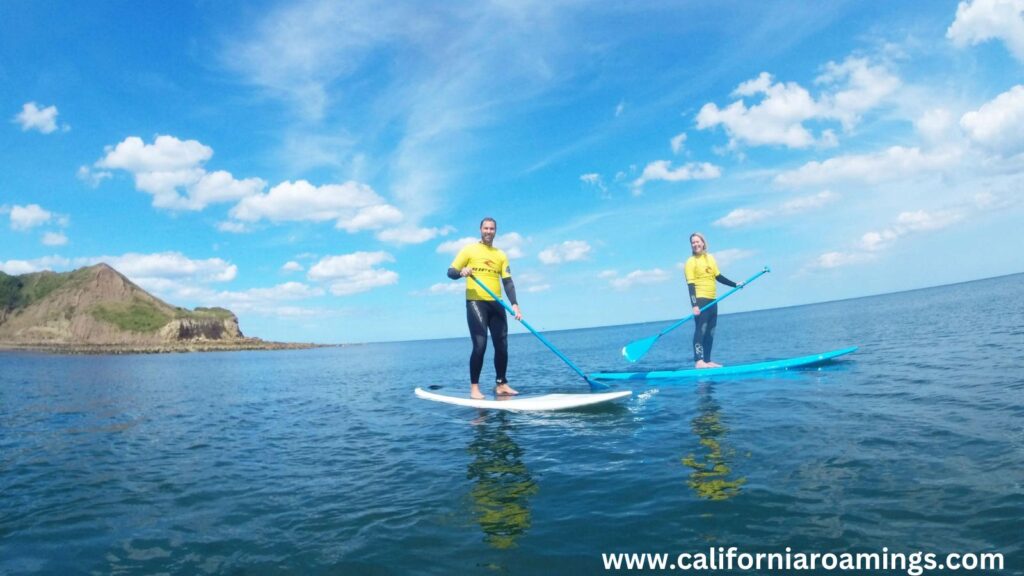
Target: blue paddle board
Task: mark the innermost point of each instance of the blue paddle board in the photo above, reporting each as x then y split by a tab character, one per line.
725	370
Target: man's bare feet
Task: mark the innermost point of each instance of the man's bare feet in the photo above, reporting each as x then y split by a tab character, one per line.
504	390
714	365
701	364
474	392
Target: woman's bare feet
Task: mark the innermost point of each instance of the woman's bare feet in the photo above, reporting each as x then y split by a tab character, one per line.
474	392
504	390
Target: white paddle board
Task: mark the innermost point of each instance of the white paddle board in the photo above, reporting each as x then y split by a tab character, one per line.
528	403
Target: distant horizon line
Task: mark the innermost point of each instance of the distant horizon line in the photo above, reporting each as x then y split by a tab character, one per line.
821	302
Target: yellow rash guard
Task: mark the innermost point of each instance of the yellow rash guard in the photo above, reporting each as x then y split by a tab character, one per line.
489	266
701	271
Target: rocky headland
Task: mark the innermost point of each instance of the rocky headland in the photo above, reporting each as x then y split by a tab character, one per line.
98	310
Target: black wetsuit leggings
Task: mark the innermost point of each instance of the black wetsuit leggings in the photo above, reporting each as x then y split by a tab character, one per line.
484	315
704	330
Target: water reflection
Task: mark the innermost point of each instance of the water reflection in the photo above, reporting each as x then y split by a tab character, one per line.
502	483
711	470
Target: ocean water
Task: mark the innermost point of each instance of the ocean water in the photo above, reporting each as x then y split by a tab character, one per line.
323	462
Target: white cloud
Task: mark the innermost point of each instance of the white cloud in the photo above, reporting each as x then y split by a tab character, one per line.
619	109
865	87
853	87
412	235
728	256
871	243
352	206
742	217
444	288
170	166
891	164
292	266
999	124
568	251
44	120
538	288
54	239
511	244
150	269
27	217
983	20
233	227
662	170
636	277
812	202
677	142
354	273
16	267
746	216
594	179
93	178
935	125
777	119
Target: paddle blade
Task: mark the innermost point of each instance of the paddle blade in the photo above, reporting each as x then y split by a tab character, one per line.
637	349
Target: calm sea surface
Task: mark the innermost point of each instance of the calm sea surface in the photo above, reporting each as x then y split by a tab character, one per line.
323	461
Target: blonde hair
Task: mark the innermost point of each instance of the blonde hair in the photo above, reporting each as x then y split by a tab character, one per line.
702	239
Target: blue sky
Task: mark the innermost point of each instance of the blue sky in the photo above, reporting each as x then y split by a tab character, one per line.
314	165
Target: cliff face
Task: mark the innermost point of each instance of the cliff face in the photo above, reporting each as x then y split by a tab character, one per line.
99	306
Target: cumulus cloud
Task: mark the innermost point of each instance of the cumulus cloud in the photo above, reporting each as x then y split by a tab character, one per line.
979	21
150	269
595	180
17	267
568	251
662	170
353	273
171	170
292	266
851	88
893	163
54	239
44	120
871	243
636	277
746	216
998	124
412	235
352	206
445	288
677	142
511	244
28	217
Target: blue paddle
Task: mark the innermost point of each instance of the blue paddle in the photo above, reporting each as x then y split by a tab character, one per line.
636	350
537	334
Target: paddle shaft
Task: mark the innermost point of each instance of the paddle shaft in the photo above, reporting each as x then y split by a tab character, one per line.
713	302
530	328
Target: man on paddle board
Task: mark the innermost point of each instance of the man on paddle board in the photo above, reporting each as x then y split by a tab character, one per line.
701	277
490	266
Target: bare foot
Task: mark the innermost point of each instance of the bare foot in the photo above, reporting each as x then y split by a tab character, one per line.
504	390
474	392
701	364
714	365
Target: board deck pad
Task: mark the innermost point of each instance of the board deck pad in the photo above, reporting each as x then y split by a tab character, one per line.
725	370
544	402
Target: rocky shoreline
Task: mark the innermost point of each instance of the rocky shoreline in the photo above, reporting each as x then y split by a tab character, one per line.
161	348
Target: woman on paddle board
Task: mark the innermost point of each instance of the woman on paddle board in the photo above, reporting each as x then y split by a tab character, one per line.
702	276
489	265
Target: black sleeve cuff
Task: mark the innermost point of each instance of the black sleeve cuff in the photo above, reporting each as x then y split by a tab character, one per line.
454	274
725	281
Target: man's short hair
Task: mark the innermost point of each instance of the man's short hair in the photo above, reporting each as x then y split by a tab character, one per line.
488	219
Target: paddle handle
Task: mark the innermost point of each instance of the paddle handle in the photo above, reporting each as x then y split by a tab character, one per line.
715	301
530	328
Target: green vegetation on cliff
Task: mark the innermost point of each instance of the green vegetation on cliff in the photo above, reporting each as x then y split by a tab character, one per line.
23	290
135	316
